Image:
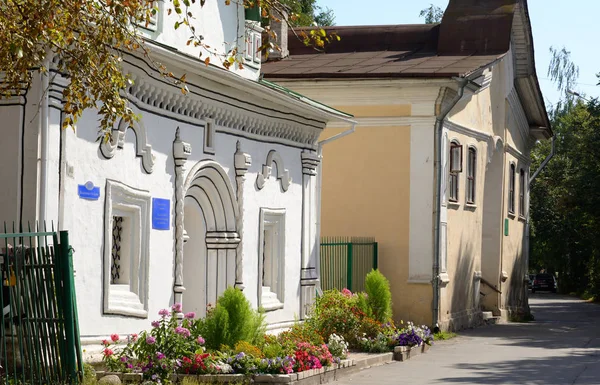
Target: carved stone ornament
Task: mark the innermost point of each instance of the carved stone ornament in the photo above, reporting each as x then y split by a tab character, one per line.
282	174
142	148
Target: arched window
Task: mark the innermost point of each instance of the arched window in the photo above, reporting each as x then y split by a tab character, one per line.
471	174
455	169
511	189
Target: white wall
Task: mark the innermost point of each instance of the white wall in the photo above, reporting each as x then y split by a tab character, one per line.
85	222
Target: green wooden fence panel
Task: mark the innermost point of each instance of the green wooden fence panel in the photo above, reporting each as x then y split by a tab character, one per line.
345	262
40	332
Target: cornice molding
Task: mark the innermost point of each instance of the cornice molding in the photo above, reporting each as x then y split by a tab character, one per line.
157	97
517	154
387	122
479	135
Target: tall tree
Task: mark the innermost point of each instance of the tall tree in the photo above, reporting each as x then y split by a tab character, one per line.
432	14
565	208
308	13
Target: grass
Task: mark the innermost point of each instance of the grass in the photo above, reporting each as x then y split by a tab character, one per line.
443	336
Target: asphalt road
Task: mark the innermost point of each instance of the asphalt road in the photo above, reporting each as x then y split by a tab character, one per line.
562	346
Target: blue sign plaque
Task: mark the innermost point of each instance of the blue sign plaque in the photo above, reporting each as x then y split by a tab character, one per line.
161	214
88	191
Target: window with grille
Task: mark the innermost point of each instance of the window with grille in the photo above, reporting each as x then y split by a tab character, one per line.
511	190
522	192
126	249
471	174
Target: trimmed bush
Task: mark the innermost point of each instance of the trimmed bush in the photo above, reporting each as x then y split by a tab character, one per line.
231	321
379	296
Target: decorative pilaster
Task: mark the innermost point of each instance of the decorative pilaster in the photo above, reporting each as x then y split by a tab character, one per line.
308	274
181	152
242	162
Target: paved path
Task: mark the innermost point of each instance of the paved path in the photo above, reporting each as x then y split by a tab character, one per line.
562	346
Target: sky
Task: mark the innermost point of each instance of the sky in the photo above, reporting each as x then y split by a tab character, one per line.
571	24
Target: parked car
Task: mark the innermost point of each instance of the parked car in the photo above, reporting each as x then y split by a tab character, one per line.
544	282
530	282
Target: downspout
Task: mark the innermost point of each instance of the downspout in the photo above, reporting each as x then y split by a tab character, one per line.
44	132
439	125
319	184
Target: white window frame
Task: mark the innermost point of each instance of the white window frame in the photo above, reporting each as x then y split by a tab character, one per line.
471	190
455	156
128	298
512	175
272	220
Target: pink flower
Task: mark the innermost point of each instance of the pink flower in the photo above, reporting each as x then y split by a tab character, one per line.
150	340
176	307
182	331
346	292
108	352
159	356
105	342
200	340
114	337
132	338
155	324
163	313
190	315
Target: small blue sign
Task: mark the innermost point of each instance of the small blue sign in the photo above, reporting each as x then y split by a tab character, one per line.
161	214
88	191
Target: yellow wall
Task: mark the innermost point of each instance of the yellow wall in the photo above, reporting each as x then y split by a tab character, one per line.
366	191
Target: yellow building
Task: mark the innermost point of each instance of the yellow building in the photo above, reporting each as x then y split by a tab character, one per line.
437	169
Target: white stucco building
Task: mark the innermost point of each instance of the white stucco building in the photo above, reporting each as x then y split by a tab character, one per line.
210	189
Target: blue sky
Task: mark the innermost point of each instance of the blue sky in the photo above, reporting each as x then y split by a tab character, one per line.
573	24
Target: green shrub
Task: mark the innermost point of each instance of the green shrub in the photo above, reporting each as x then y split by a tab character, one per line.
336	312
379	296
231	321
89	375
363	304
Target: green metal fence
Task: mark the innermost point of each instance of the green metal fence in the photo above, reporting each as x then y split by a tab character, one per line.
345	262
40	333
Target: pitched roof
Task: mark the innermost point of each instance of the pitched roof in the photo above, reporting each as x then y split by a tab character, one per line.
378	51
473	35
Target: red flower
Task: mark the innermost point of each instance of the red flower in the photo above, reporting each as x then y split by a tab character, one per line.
108	352
114	337
105	343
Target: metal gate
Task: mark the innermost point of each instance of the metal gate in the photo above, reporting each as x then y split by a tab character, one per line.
346	261
40	332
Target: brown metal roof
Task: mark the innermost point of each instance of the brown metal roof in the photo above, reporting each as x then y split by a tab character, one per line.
378	51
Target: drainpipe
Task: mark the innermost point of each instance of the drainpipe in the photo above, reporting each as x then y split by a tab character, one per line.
319	184
43	157
439	125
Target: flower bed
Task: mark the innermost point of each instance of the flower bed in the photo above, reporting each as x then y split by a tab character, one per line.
231	344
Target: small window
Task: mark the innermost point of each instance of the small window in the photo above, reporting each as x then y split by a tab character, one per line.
471	173
522	192
455	169
209	138
272	253
511	190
